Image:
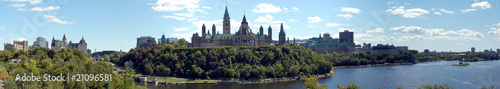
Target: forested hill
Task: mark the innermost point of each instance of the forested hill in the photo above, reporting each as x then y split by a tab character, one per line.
227	62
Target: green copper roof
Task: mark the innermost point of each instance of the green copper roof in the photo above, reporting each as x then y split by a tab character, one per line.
226	15
282	32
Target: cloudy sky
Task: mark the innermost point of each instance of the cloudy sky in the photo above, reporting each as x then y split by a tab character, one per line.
440	25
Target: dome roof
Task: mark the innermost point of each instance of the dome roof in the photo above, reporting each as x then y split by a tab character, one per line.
326	35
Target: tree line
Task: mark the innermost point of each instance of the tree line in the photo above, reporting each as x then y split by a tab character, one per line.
262	62
40	61
227	62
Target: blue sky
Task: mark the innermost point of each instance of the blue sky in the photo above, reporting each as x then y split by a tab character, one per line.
440	25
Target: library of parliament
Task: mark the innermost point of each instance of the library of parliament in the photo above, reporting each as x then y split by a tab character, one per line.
243	37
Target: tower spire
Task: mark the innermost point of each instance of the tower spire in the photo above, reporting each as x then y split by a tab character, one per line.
244	20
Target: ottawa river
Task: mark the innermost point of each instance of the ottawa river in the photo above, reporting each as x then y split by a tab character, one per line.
474	76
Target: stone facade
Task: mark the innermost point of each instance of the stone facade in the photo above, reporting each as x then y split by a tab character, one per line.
58	45
243	37
17	45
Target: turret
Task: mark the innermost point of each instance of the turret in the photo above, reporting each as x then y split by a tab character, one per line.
203	33
270	32
261	30
213	30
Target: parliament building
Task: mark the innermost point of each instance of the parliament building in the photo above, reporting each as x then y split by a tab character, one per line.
243	37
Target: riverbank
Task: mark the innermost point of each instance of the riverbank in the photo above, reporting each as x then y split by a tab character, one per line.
175	80
372	65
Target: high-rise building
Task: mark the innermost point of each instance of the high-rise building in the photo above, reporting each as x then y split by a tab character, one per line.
41	42
498	50
145	42
17	45
282	36
473	50
346	36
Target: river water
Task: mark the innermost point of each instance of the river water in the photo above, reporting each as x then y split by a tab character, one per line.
474	76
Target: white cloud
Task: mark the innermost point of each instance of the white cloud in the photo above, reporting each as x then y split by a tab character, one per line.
410	37
295	8
482	5
175	5
45	9
267	18
438	34
369	37
180	29
437	13
266	8
174	17
2	27
184	14
54	19
408	30
1	38
17	5
447	11
407	13
206	7
459	43
335	24
376	31
30	1
314	19
186	36
292	20
19	39
467	10
350	10
494	32
347	16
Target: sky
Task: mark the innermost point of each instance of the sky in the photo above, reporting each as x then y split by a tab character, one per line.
441	25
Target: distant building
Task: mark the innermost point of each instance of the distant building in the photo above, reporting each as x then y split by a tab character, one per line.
473	50
80	46
129	64
486	51
163	40
243	37
330	44
380	48
97	54
17	45
41	42
58	44
498	50
145	42
346	36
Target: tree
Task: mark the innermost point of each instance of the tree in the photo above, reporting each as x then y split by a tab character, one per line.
182	42
351	85
312	83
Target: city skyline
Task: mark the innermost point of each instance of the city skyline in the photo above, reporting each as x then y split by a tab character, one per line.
115	25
